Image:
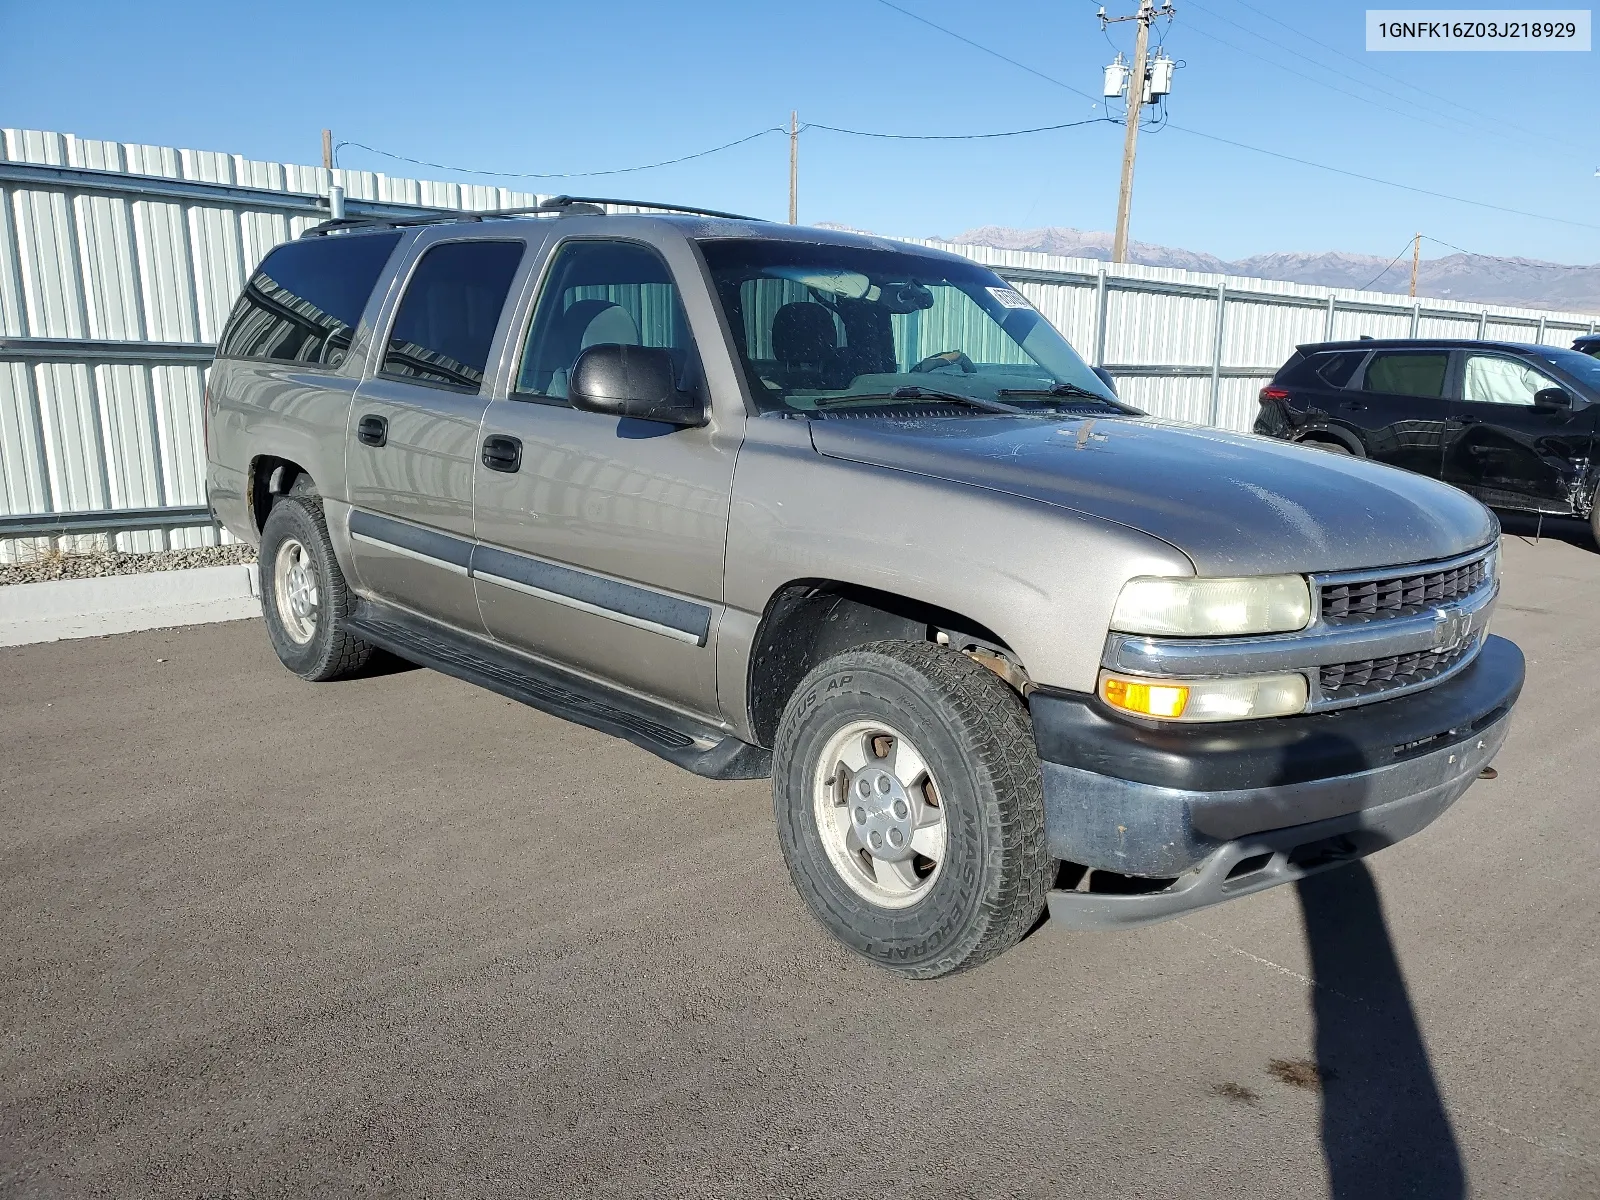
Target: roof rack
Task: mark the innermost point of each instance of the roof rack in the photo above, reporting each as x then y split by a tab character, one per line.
562	206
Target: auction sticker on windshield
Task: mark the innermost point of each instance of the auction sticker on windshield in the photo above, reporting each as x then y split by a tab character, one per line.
1478	29
1009	298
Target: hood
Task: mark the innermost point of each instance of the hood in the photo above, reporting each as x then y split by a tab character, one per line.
1234	503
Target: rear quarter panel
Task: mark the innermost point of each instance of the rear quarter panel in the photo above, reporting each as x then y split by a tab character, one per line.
279	410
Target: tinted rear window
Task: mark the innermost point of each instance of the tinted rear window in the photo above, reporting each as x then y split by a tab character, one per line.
304	301
1405	374
1336	369
447	319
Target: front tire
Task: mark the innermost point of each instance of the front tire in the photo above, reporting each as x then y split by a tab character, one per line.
910	807
303	594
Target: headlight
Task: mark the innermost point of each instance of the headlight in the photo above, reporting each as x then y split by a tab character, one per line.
1193	607
1206	699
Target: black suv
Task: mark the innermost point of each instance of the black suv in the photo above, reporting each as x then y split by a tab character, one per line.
1514	425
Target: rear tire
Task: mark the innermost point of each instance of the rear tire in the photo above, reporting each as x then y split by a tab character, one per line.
1330	446
926	755
303	594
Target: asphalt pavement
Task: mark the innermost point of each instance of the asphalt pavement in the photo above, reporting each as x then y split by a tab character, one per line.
400	936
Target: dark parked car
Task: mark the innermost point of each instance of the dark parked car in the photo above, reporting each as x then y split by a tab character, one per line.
1589	344
1512	424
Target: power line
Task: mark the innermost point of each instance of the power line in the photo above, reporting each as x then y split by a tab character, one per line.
1519	262
955	137
559	175
1473	127
1368	100
1387	269
992	53
1405	187
1365	66
809	125
1305	162
1378	104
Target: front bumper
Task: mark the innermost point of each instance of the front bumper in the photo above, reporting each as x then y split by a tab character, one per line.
1220	812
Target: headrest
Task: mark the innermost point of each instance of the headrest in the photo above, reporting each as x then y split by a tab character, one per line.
610	326
592	323
803	332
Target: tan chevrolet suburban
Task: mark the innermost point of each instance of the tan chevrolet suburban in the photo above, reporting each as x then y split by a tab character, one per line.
759	499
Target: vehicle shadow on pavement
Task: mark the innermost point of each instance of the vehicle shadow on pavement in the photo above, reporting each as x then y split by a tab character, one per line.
1385	1131
1529	528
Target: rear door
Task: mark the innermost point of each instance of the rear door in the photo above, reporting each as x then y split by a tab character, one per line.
413	437
1505	450
1398	409
601	541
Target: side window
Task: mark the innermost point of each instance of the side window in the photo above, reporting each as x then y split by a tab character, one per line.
599	293
1406	374
448	315
304	301
1336	369
1493	379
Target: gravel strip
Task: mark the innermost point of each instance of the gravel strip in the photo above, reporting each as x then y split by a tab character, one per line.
101	563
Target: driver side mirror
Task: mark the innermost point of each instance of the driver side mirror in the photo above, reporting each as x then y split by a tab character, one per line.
1552	399
632	381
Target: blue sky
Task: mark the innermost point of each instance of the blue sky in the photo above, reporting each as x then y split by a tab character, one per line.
575	87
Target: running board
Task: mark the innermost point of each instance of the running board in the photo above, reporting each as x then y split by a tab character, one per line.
678	739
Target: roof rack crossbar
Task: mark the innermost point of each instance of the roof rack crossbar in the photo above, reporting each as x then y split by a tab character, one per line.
554	206
564	201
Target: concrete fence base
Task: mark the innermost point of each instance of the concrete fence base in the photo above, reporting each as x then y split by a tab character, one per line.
78	608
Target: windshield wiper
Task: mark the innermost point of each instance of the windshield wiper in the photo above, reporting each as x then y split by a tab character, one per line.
1057	389
914	392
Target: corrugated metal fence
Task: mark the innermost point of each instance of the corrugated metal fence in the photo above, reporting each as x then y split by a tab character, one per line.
119	262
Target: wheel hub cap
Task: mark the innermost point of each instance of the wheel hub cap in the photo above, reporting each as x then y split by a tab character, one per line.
302	591
879	815
294	591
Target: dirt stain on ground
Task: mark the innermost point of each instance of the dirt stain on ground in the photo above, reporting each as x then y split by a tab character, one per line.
1299	1072
1236	1092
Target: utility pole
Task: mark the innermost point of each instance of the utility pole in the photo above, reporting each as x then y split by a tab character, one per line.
794	167
1142	86
327	149
1416	253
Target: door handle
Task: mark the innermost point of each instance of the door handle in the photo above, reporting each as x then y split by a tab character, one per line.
502	453
1354	406
1469	420
372	430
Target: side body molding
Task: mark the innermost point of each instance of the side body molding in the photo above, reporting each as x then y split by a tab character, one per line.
615	599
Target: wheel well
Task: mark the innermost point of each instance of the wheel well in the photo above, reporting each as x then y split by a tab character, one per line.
810	620
1324	435
271	478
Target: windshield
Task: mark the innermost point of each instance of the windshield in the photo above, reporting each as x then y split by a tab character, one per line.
1582	367
821	327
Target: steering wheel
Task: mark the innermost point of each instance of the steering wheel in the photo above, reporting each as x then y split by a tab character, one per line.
949	358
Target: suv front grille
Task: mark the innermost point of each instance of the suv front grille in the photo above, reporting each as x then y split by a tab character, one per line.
1400	595
1375	676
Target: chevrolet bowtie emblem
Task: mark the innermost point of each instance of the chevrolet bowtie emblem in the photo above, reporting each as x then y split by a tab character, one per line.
1452	631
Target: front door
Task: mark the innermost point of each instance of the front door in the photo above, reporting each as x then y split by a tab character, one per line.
601	540
1398	408
413	436
1506	450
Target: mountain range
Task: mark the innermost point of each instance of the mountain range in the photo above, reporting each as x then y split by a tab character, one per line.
1474	278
